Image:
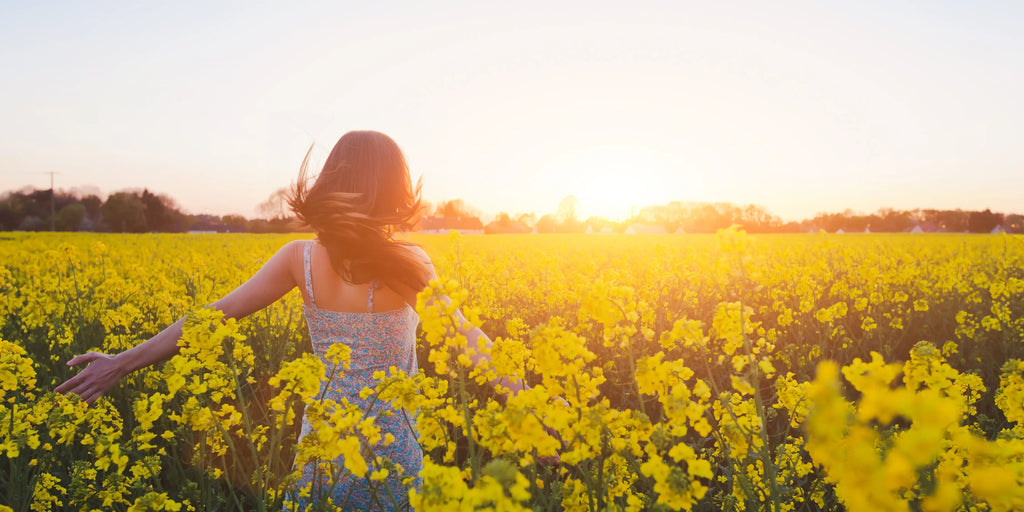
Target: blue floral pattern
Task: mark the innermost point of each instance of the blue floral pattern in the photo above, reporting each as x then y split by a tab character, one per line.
378	340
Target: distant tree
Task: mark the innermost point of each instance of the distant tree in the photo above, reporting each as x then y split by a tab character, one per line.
38	203
657	214
276	205
713	216
791	227
851	221
70	217
205	223
526	219
566	216
547	224
756	219
11	212
1014	223
674	215
596	223
63	198
567	209
234	223
158	216
124	212
92	205
831	222
17	206
573	226
889	220
953	221
259	226
568	222
504	223
33	223
454	209
983	222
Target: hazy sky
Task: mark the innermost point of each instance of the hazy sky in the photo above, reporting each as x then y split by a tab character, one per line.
800	107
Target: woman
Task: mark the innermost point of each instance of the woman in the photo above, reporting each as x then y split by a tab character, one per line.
358	285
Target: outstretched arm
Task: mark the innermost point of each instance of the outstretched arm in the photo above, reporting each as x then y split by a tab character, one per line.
269	284
475	337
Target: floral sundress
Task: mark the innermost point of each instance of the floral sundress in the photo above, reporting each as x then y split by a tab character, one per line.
378	340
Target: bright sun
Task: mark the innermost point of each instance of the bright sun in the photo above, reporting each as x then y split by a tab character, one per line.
613	181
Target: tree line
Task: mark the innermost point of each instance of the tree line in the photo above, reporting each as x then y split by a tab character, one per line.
701	217
709	217
128	211
133	211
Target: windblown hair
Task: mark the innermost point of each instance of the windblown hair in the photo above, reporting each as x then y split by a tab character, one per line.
361	197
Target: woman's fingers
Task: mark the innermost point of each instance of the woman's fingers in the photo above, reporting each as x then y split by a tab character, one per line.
88	393
74	385
550	460
88	357
73	381
69	384
91	396
554	433
88	383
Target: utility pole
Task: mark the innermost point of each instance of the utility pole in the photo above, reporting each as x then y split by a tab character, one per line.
53	215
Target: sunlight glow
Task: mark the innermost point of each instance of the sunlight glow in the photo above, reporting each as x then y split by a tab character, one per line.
615	181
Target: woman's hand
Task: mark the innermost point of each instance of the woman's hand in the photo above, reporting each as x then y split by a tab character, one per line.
552	460
96	379
271	282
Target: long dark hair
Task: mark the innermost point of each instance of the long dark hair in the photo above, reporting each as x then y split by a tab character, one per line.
355	205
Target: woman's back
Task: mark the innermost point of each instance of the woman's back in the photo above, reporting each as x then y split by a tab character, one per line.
335	294
381	334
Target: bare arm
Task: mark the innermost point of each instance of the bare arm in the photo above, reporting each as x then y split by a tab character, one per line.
474	337
269	284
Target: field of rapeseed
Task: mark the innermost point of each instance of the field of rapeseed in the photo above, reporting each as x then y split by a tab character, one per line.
695	372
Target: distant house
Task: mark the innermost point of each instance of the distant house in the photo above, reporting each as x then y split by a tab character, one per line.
926	227
646	229
998	229
442	225
840	231
499	228
206	224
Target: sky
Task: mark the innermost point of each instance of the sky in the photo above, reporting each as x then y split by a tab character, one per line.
800	107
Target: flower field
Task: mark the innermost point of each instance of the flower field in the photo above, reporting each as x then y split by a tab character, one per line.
690	372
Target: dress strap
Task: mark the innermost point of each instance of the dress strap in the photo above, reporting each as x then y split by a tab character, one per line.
309	274
369	297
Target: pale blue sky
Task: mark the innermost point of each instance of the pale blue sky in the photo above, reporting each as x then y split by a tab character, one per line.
801	107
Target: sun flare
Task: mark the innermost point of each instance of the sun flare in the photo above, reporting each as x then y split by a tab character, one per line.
615	181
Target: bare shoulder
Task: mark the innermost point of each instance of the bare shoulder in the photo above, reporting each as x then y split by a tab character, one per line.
424	258
419	253
289	257
292	251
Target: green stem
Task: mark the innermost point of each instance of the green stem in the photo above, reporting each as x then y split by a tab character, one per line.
467	419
